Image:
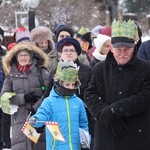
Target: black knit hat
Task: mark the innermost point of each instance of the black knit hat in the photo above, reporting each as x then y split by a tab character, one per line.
63	27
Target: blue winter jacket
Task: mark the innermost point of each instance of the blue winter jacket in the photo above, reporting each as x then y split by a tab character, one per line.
70	114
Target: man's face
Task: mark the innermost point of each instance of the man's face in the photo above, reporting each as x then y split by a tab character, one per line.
62	35
69	53
122	54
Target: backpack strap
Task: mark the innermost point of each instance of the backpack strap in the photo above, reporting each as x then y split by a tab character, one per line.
39	74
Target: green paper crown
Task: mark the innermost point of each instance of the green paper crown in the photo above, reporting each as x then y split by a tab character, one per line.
124	29
67	71
83	30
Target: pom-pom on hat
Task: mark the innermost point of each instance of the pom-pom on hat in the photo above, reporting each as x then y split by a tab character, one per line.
69	40
21	34
123	33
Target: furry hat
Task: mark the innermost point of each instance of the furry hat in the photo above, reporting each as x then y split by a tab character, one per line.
69	40
41	33
63	27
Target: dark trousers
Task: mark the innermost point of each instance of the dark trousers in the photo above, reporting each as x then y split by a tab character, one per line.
5	130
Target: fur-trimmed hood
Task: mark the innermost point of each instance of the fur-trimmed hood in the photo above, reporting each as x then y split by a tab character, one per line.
7	60
42	33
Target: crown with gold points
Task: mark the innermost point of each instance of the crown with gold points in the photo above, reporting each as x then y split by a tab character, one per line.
124	29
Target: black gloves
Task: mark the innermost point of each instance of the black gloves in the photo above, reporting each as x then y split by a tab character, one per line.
106	117
31	110
30	97
118	128
40	129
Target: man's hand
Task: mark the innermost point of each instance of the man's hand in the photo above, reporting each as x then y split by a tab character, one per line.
118	128
107	117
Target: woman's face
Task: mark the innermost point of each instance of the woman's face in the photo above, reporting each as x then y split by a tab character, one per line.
43	45
106	47
24	58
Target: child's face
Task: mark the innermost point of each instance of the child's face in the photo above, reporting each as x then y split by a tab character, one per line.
68	85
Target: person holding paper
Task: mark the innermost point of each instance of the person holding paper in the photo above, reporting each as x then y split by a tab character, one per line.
64	108
22	88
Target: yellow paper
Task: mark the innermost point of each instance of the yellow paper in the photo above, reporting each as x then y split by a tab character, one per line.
30	132
55	130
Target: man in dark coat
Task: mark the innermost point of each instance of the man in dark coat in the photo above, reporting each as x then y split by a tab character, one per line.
118	95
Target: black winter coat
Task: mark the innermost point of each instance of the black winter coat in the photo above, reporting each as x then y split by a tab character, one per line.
144	50
127	90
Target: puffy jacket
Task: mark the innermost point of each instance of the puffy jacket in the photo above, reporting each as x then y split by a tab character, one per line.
70	113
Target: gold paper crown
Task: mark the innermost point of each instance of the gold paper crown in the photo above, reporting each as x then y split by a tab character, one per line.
124	29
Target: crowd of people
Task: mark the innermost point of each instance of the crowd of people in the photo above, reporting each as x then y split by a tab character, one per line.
97	80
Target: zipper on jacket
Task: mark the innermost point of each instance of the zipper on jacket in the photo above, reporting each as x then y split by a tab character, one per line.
53	144
69	123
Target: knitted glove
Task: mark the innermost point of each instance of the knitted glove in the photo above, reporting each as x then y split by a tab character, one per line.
5	102
118	128
106	117
33	120
30	97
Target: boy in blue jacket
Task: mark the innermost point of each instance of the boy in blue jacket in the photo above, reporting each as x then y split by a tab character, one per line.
64	107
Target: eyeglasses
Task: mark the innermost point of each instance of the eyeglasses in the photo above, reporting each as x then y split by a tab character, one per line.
68	50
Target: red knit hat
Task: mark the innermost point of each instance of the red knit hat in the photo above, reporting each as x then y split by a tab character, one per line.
106	31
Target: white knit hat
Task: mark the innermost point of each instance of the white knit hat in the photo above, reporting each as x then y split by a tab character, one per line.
98	43
100	40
